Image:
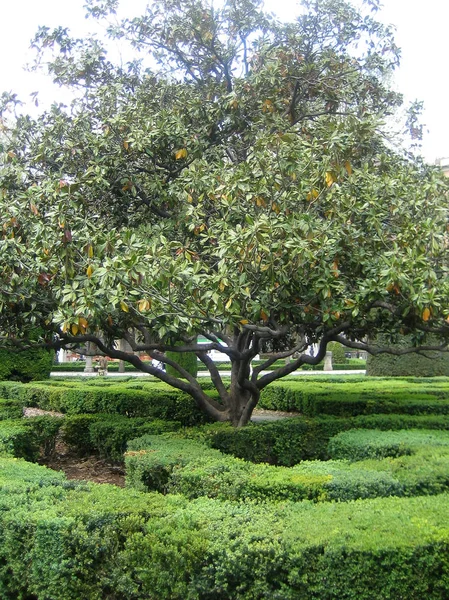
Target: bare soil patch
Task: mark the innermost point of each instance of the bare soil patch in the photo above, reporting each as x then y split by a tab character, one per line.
82	468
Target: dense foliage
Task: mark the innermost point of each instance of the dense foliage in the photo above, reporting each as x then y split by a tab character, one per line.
196	542
234	181
28	365
424	364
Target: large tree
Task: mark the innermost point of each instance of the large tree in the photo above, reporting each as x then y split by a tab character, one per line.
236	181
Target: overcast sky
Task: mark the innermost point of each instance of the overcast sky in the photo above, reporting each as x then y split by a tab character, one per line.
422	33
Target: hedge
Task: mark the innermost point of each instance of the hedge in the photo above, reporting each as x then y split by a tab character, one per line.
108	434
289	441
432	364
154	400
28	365
187	360
174	465
28	438
359	444
10	409
91	541
350	399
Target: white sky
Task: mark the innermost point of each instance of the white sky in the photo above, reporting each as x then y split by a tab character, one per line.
422	33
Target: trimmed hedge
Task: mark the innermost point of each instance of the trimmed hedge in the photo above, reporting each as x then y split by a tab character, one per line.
10	409
86	541
108	434
359	444
153	400
349	399
173	465
290	441
433	364
187	360
28	438
29	365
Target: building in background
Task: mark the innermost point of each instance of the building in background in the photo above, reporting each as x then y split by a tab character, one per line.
443	163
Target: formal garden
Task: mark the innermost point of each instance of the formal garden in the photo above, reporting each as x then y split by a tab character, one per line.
232	185
347	500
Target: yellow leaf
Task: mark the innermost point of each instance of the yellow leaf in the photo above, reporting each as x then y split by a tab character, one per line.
275	208
348	167
182	153
90	251
221	286
143	305
244	322
330	178
260	202
74	328
234	104
267	106
228	303
124	306
426	314
126	145
89	271
313	194
263	315
82	322
335	268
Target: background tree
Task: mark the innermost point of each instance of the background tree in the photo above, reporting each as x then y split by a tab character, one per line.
235	181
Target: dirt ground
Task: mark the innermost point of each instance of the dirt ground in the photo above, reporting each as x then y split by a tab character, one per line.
85	468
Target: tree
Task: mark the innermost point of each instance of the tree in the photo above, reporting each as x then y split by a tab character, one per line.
236	181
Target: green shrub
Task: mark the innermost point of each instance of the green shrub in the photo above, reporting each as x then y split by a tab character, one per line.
359	444
87	541
29	365
354	398
28	438
174	465
108	434
186	360
431	364
152	400
10	409
338	354
290	441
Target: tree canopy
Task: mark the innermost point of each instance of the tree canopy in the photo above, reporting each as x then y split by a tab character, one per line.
236	180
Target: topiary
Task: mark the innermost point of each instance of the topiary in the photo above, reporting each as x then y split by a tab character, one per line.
186	360
338	353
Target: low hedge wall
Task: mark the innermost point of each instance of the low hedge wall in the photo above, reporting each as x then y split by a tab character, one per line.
79	366
175	465
289	441
90	541
155	400
360	444
350	399
10	409
28	438
108	434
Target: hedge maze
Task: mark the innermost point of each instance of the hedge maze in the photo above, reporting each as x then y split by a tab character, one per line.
349	500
